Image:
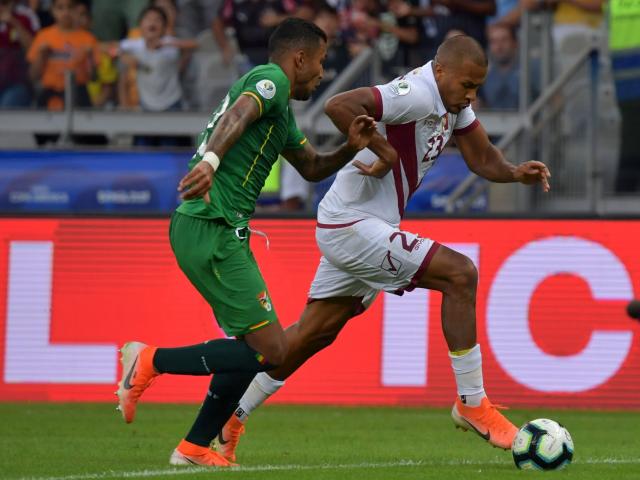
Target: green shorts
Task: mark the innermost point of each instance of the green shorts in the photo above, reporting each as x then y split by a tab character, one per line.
219	263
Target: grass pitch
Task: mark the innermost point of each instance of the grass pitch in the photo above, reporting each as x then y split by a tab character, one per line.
90	442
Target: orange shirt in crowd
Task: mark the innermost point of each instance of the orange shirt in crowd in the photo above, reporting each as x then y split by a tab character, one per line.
69	49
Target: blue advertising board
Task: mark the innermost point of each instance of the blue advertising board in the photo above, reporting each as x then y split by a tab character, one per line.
111	182
90	182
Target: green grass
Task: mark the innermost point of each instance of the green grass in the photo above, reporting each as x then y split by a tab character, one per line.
90	441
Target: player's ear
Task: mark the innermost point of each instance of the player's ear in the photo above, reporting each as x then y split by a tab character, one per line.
439	69
300	59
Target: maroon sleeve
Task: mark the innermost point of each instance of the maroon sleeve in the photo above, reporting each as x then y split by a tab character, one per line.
378	97
468	129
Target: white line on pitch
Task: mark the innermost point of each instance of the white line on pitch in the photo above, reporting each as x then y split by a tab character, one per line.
268	468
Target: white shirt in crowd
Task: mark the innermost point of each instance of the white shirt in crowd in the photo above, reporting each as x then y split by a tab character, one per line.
157	73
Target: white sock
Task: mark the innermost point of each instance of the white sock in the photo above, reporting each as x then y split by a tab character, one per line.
261	388
468	371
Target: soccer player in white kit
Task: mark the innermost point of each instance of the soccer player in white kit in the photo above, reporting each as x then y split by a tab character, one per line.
363	248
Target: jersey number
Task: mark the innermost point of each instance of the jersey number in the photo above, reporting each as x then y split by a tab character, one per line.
403	238
434	147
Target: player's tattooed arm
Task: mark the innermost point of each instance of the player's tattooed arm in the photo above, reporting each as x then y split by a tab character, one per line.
315	166
232	124
486	161
228	130
343	108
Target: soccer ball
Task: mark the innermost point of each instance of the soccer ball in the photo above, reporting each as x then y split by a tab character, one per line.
542	444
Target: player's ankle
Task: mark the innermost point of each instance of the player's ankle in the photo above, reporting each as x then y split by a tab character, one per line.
261	388
241	415
146	359
472	400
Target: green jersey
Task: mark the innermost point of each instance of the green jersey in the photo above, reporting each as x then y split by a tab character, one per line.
245	167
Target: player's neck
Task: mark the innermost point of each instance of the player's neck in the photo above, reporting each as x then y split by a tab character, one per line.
289	70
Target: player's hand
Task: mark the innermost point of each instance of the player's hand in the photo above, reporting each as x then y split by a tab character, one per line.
533	172
360	132
377	169
197	182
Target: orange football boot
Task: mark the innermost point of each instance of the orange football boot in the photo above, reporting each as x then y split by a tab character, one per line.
486	421
187	453
228	439
137	375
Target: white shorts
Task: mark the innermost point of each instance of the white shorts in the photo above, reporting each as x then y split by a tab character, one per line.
363	257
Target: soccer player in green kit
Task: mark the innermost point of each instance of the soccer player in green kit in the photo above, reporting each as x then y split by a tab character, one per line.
210	236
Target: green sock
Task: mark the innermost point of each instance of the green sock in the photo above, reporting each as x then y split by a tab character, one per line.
213	356
223	396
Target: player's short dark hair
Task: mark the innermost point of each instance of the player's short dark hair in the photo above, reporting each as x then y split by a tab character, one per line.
458	48
158	10
295	33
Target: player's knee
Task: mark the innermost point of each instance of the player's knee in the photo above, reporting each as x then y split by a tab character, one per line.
463	276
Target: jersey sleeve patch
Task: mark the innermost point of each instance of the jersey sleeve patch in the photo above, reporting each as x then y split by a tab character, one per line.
266	88
400	87
404	100
269	86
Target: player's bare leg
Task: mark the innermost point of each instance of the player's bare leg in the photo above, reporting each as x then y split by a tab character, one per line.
456	277
318	326
271	342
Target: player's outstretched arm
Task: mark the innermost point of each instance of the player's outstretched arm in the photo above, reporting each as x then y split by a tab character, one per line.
343	108
486	161
229	128
315	166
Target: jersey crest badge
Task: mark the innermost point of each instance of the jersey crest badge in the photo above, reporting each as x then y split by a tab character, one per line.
432	120
391	264
400	87
264	301
266	88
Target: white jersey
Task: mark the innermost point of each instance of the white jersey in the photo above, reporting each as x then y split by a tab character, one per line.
415	121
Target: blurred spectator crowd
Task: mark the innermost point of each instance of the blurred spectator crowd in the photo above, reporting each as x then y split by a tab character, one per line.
166	55
171	55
